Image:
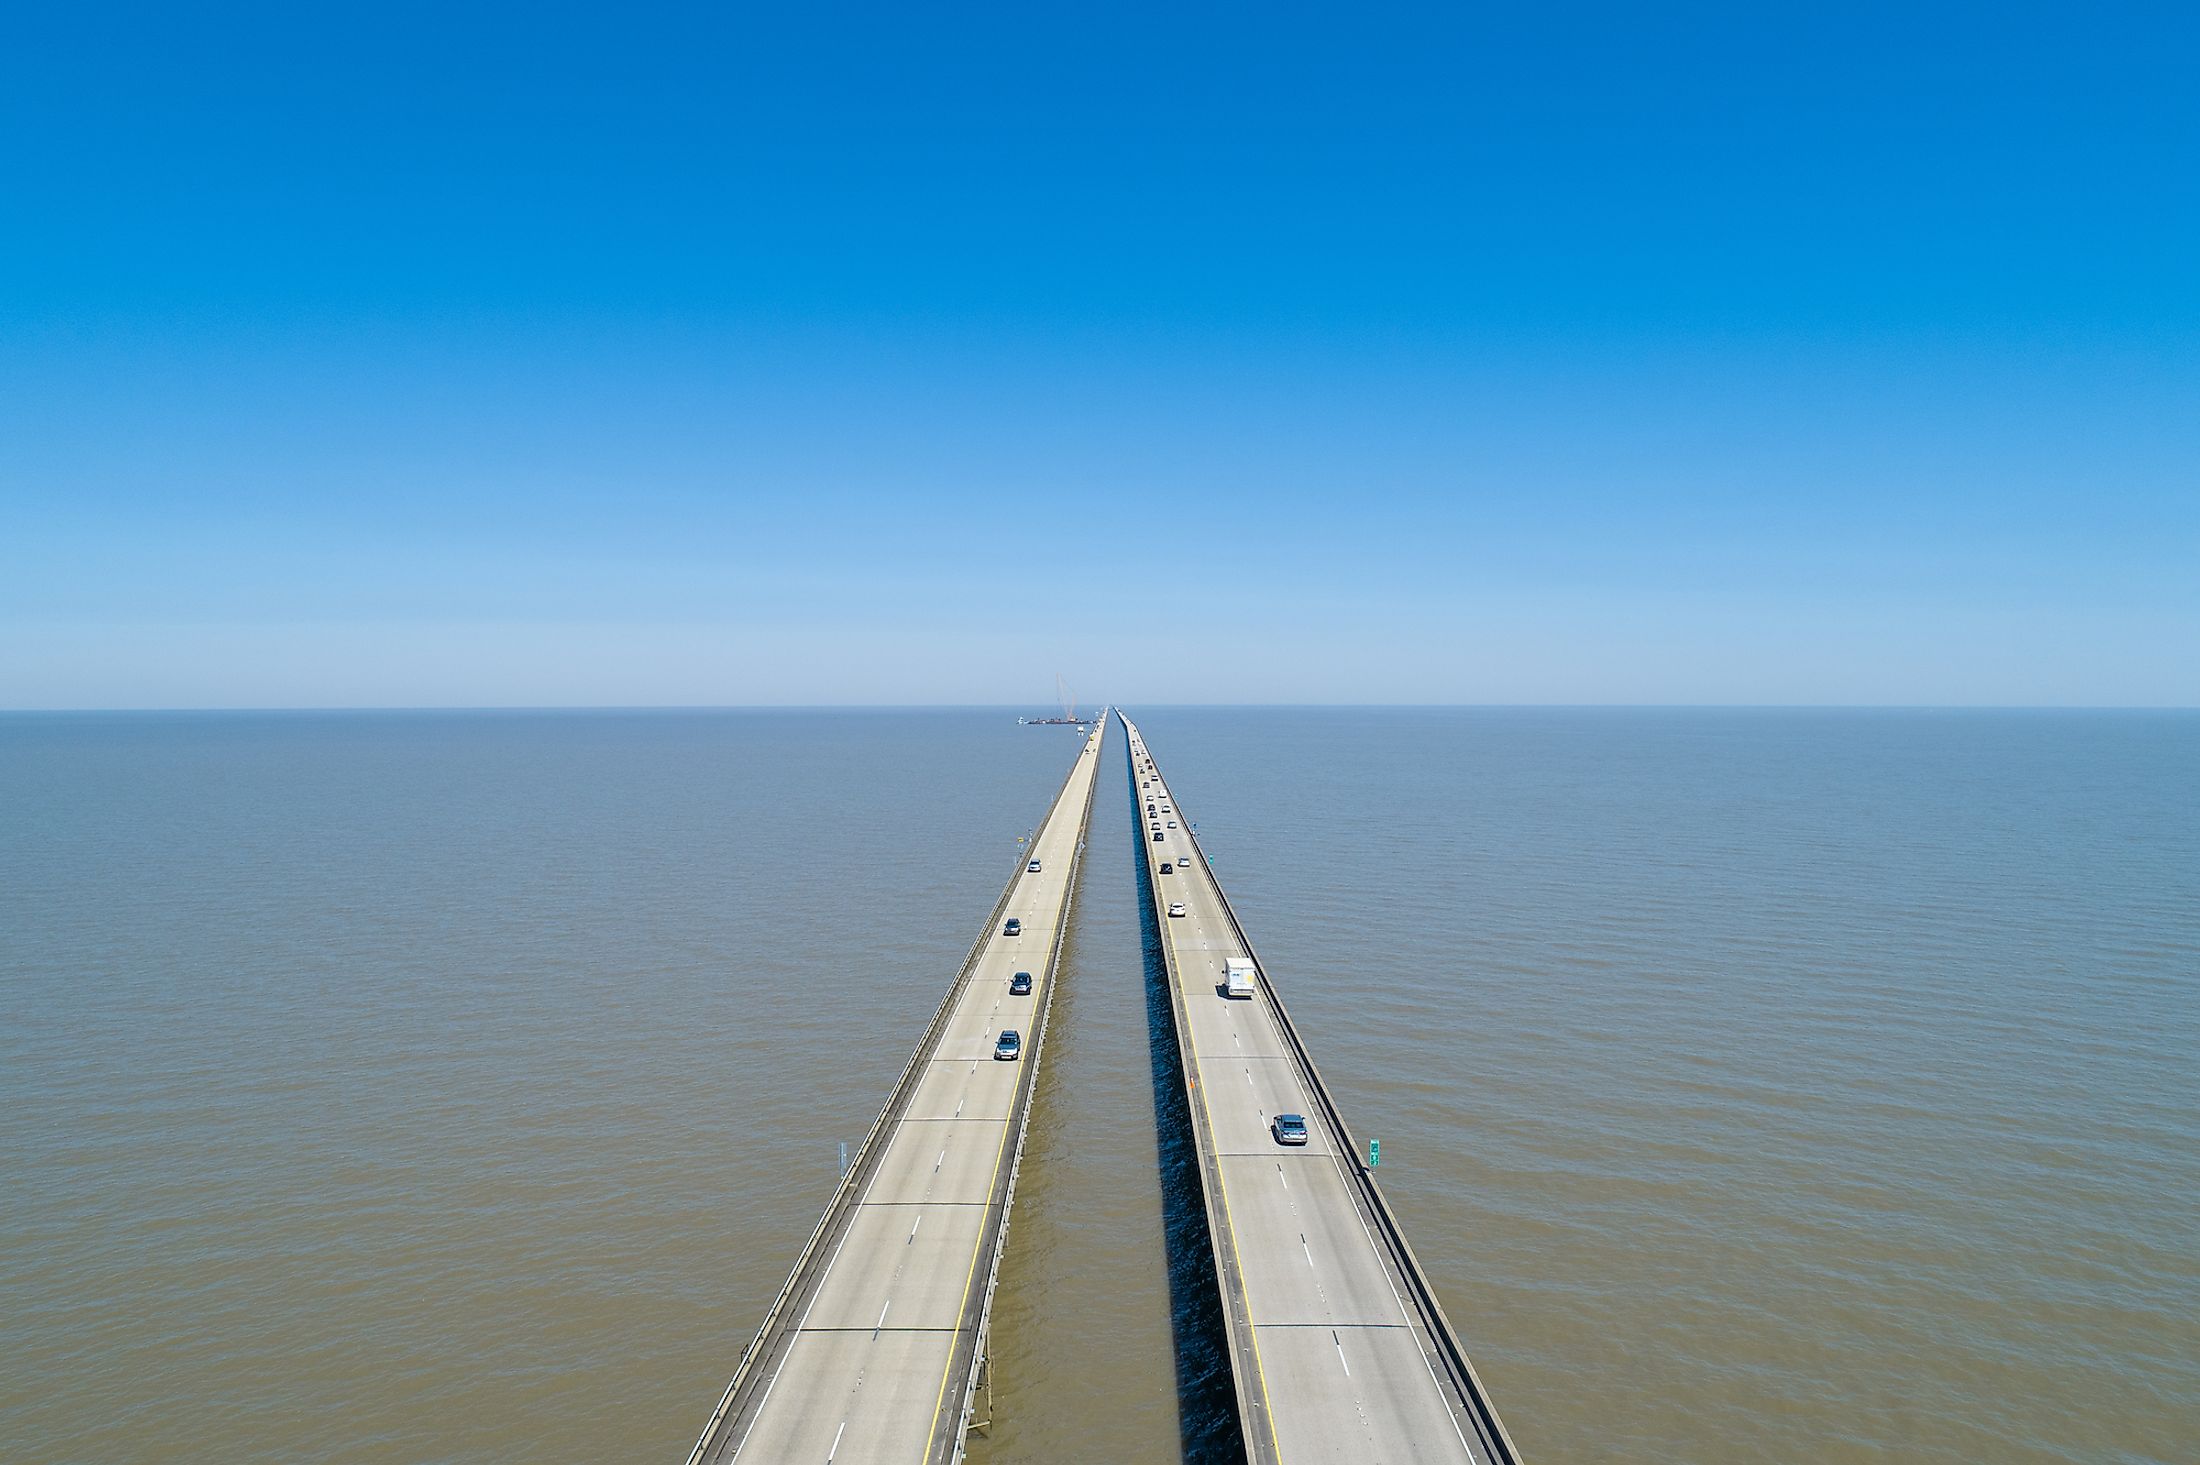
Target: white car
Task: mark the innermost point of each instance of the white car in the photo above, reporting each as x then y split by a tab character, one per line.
1176	908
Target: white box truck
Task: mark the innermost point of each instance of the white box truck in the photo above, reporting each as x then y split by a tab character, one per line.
1237	977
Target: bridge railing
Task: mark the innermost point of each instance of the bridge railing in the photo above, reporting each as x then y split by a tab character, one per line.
1464	1379
1029	1086
897	1103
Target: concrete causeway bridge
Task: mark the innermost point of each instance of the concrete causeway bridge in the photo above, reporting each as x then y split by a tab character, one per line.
874	1350
1338	1347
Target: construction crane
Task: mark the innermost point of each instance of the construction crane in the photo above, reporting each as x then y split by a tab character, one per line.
1069	717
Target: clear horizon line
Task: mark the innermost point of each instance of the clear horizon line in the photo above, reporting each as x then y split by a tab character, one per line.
1026	709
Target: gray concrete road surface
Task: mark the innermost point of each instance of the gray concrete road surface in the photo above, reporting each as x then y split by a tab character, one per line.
868	1355
1332	1363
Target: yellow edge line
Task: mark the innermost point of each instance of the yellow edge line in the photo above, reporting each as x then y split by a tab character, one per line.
969	1278
1267	1406
979	1245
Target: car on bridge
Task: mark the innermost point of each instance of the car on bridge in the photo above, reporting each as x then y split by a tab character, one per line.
1176	907
1033	867
1010	1044
1020	985
1289	1129
1013	928
1167	868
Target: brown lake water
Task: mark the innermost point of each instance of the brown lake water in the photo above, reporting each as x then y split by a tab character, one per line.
457	1087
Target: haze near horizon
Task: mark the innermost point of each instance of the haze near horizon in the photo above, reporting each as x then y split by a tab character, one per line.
469	356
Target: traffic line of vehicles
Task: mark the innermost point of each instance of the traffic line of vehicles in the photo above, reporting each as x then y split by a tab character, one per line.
1240	977
1157	810
1009	1046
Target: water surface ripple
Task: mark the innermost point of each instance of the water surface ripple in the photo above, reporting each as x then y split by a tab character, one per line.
1754	1085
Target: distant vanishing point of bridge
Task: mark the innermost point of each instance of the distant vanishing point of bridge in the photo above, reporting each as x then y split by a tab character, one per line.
874	1350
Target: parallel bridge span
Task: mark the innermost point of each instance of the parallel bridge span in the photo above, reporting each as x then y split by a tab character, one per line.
1339	1349
871	1352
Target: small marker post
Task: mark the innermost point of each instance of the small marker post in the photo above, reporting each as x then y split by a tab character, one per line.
844	1159
1374	1153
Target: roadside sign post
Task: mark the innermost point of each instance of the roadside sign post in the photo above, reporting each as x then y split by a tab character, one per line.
1374	1153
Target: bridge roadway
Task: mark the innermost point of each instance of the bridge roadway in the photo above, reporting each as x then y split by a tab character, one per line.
871	1352
1339	1349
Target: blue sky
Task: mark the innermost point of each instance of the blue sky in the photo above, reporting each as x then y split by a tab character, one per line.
1273	353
